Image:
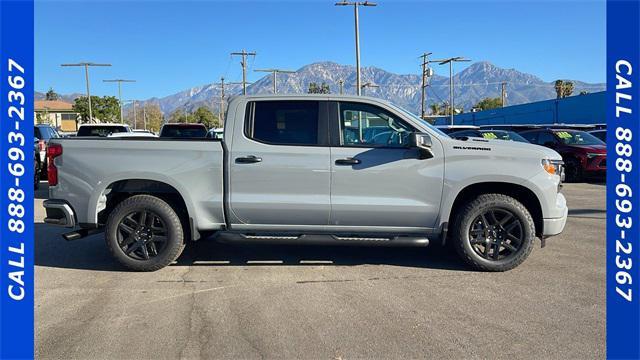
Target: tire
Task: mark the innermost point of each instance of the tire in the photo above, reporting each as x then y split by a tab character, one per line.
573	170
470	233
130	235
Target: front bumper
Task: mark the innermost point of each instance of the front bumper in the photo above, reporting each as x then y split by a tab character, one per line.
59	213
554	226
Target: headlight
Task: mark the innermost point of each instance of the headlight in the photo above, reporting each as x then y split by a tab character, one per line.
592	155
554	167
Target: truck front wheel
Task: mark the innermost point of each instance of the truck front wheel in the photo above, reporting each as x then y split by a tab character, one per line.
494	232
144	233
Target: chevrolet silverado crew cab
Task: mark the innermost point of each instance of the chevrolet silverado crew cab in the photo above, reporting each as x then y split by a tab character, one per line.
309	169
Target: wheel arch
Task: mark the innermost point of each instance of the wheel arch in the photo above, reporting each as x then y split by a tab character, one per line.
521	193
116	191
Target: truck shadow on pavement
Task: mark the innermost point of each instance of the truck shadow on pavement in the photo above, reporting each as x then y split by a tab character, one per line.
91	253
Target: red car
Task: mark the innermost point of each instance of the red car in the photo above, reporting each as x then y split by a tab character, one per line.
584	155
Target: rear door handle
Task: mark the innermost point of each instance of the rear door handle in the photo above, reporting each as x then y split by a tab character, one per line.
347	161
248	159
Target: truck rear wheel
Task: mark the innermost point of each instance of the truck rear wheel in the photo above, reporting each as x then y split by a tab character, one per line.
144	233
494	232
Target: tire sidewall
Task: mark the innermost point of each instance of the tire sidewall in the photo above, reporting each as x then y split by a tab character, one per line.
175	234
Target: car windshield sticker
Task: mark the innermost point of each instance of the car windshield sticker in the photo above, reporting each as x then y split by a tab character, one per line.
489	135
563	135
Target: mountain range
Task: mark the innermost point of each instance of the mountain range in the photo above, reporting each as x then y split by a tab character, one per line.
478	81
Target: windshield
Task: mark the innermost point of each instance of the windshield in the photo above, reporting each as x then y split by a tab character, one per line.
572	137
183	131
422	121
503	135
97	130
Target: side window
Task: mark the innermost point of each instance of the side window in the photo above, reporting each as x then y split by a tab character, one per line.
531	137
284	122
545	138
369	126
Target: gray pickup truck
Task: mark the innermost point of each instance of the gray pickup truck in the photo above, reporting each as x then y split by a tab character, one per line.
309	169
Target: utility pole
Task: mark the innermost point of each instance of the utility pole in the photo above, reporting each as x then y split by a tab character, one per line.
144	115
503	93
120	81
427	72
368	85
86	76
341	82
135	112
221	101
450	61
355	5
243	62
275	76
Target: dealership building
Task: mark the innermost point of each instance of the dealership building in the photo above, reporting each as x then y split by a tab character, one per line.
578	109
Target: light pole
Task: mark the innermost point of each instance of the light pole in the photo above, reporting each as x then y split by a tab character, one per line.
450	61
119	81
86	76
275	76
135	116
355	5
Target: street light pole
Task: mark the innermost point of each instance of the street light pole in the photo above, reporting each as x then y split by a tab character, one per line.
86	76
450	61
355	5
120	81
275	76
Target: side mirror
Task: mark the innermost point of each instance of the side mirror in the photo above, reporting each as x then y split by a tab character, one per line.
423	143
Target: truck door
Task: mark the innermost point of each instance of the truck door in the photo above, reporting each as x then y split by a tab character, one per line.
279	165
377	180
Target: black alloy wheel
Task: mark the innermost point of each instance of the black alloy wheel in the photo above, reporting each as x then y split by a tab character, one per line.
496	234
142	235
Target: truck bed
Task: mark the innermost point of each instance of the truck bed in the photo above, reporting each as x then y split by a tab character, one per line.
89	167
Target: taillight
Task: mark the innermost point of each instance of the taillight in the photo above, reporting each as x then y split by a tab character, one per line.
53	151
42	145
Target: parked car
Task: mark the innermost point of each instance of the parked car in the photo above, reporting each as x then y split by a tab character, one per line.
583	154
183	130
489	134
600	134
285	173
37	163
216	133
44	133
448	129
102	130
133	134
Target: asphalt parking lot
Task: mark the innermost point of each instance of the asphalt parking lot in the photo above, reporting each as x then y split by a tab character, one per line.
259	301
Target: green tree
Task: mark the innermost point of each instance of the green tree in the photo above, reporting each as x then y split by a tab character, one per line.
563	88
178	116
489	103
204	116
314	88
149	114
105	109
51	95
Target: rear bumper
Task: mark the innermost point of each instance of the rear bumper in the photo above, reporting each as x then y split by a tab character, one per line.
60	213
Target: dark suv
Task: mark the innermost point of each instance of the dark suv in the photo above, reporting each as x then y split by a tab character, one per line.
583	154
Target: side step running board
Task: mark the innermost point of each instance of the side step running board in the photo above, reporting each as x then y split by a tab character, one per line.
324	239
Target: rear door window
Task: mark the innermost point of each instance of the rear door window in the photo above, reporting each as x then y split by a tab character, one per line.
284	122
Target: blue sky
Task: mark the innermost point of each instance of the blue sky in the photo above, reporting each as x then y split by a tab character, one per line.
168	46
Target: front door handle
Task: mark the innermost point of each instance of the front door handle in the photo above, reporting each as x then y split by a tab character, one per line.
248	159
347	161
